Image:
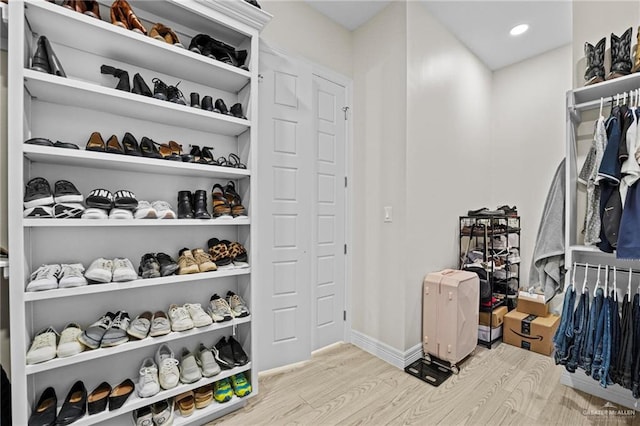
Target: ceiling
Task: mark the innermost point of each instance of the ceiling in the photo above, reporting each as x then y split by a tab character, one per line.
483	26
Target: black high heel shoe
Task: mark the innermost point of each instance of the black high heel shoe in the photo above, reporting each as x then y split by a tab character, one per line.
140	86
148	148
196	155
130	145
122	75
207	156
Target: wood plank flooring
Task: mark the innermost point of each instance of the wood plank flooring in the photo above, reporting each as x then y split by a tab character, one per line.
343	385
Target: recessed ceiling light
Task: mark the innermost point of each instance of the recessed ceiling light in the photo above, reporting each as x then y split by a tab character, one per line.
519	29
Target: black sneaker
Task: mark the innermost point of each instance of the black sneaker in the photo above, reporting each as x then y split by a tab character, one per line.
66	192
149	266
68	210
37	193
159	89
175	95
39	211
223	354
168	266
239	355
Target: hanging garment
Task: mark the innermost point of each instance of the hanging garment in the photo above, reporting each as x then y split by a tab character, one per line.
588	176
547	267
605	379
609	178
630	168
635	376
564	334
625	122
598	351
589	346
629	238
625	358
580	320
616	337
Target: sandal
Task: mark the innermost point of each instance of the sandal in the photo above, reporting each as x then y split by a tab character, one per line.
220	254
167	153
186	403
234	161
238	254
207	156
234	200
221	206
222	161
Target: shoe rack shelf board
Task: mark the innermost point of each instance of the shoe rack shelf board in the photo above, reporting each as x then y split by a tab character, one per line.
130	346
43	223
128	163
34	296
33	95
104	39
579	100
134	402
203	413
54	89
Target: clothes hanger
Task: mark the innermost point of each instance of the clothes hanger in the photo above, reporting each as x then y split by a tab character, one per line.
584	281
595	289
615	289
606	280
629	288
601	105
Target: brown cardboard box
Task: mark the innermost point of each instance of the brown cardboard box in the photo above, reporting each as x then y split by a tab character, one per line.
498	317
483	332
530	332
533	304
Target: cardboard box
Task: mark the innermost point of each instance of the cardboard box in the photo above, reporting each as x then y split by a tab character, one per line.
483	333
530	332
533	304
498	317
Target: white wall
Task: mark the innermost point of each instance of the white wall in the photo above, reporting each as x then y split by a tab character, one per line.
379	255
528	137
299	29
448	164
4	284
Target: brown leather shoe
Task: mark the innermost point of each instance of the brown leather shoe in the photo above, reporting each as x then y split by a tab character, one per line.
123	16
117	16
69	4
91	8
95	142
161	32
114	146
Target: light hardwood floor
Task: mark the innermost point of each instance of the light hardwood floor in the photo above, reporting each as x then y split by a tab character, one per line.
343	385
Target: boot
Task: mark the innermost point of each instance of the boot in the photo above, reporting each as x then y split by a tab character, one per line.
123	16
236	111
207	103
195	100
222	107
636	66
140	87
595	62
200	205
620	55
121	75
40	58
185	209
54	63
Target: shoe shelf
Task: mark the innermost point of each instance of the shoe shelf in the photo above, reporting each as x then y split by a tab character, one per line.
54	223
134	402
67	91
105	39
128	163
128	285
202	413
589	96
91	354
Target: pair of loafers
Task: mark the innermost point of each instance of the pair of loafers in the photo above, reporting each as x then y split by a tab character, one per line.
73	408
104	396
47	142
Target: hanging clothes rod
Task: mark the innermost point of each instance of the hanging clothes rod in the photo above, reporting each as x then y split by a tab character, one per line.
619	269
594	104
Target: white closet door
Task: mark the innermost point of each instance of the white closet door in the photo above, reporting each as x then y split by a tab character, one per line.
284	273
329	137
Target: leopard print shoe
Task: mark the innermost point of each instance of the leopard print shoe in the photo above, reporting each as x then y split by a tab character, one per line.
219	252
238	254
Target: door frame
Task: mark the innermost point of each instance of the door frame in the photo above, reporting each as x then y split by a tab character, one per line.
347	82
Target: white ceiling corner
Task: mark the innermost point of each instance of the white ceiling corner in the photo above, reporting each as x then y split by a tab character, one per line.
483	26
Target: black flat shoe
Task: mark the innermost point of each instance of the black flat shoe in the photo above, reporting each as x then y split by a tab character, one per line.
222	107
236	111
148	148
74	406
39	141
130	145
207	104
120	394
66	145
98	398
45	411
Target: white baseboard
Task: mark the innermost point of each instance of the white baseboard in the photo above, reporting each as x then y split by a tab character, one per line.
393	356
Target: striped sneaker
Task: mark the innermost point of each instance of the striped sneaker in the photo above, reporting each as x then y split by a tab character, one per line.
68	210
222	391
241	387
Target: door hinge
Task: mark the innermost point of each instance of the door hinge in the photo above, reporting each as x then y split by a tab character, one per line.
345	109
345	181
345	249
344	315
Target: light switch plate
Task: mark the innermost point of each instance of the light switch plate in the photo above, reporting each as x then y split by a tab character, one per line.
388	214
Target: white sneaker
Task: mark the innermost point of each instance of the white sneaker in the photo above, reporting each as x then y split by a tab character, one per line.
163	210
162	413
43	347
219	309
69	344
100	270
169	373
123	270
198	315
39	212
206	361
44	278
72	275
145	211
95	213
143	417
238	306
189	370
120	214
148	384
180	318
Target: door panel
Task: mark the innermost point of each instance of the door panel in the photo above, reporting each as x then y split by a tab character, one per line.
284	270
329	137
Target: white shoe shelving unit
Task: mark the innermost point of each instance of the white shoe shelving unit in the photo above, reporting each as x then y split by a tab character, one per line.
70	109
